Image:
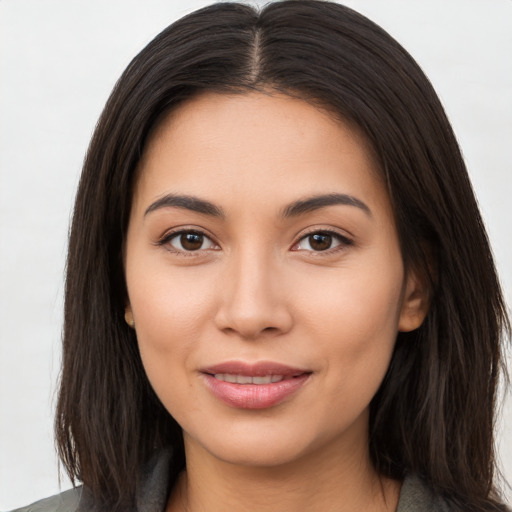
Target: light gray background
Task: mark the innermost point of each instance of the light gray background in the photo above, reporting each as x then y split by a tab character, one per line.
58	62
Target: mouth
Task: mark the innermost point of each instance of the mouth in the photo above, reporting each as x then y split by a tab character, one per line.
248	379
254	386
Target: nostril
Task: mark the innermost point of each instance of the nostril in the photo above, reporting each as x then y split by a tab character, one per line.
249	333
251	318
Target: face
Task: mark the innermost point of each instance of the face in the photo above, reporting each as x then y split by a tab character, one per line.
265	278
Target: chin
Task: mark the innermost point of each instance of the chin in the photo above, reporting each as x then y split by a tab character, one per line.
269	445
258	453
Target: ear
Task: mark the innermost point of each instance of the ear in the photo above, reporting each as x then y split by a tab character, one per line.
415	304
128	316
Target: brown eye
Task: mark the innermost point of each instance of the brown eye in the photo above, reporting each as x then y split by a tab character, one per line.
320	241
189	241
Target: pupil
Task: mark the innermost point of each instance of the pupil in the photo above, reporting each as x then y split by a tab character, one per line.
320	242
191	241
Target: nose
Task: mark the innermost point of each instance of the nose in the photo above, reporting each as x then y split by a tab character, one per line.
253	298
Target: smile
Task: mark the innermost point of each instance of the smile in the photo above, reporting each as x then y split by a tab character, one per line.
248	379
254	386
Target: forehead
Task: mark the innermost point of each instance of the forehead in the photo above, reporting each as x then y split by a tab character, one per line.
255	142
209	115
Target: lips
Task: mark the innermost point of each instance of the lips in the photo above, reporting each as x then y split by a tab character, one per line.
248	379
253	386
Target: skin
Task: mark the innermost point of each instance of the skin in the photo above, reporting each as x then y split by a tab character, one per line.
258	289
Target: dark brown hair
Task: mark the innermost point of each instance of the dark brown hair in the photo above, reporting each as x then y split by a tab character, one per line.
434	413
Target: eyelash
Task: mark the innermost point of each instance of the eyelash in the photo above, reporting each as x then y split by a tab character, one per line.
169	236
343	241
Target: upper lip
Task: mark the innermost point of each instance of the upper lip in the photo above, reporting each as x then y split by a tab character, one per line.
258	369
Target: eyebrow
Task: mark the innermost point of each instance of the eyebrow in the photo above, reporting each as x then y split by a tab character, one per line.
316	202
294	209
186	202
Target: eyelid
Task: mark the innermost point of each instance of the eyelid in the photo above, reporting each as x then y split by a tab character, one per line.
165	239
345	241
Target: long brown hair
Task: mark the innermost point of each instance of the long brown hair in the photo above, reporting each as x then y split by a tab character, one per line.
434	413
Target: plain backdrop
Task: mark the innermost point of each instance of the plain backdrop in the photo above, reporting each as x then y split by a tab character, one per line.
59	60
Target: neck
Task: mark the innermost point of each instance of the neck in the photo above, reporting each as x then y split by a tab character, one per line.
338	480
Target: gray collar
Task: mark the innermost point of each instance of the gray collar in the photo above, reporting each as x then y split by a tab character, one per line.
153	493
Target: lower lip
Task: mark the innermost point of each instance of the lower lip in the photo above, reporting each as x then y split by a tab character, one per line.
254	396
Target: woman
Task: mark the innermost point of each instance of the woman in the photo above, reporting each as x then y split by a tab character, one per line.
279	293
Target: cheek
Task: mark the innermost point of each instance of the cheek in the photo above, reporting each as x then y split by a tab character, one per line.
170	310
168	325
354	321
358	303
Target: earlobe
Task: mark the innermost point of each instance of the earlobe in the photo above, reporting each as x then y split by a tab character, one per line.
416	302
128	317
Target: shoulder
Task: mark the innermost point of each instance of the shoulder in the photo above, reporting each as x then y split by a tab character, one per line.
66	501
415	496
151	495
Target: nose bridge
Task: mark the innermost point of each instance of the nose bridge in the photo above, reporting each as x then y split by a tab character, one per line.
253	298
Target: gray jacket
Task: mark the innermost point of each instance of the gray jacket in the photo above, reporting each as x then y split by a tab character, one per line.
414	496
